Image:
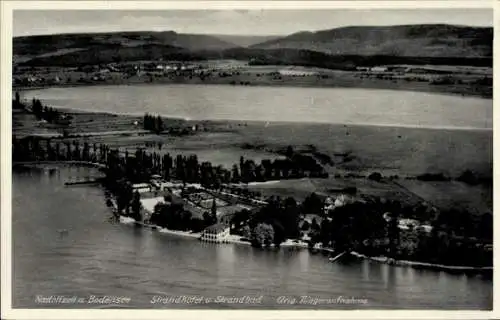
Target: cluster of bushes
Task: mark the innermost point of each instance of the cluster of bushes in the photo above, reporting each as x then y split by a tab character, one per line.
242	83
153	123
277	221
173	216
41	112
16	102
468	177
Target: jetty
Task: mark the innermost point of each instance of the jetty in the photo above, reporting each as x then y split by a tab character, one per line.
337	257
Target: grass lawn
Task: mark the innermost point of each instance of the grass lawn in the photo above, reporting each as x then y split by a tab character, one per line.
475	199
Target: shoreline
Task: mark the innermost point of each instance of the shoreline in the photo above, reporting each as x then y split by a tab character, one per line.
59	162
187	120
416	264
287	244
351	82
290	244
196	235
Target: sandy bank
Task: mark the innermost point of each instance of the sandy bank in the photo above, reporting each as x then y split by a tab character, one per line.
232	239
417	264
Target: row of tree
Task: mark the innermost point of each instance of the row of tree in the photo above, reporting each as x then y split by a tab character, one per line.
138	167
46	113
34	148
153	123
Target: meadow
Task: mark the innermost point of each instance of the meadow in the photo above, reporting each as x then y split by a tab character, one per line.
349	153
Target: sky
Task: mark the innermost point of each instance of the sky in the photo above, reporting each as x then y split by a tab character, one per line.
236	22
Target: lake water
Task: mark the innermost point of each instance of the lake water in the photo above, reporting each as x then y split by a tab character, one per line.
99	257
325	105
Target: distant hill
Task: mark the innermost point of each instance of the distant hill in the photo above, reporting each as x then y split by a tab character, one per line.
342	48
433	40
244	41
47	45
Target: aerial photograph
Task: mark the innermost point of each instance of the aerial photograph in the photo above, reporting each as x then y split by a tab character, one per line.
260	159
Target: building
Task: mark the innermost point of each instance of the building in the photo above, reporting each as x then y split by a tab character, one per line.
296	72
217	233
363	68
141	187
339	201
425	228
378	69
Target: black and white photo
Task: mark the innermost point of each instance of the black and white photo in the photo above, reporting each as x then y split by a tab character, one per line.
251	158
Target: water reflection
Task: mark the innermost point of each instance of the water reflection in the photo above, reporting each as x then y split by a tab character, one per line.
304	261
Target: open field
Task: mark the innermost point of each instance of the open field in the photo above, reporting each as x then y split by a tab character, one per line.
342	149
389	150
474	199
460	80
301	188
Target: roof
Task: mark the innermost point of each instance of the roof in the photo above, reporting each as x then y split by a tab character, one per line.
216	228
140	185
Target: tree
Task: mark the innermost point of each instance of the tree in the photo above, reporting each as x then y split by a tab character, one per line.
290	218
123	194
246	232
315	225
312	204
136	207
208	219
242	167
235	174
263	235
213	211
468	177
305	226
375	176
485	226
17	102
158	126
393	232
197	224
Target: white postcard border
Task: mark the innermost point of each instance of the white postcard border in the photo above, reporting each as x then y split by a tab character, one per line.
7	8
